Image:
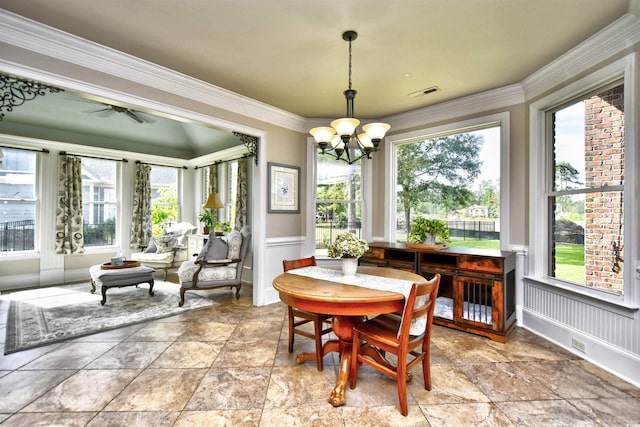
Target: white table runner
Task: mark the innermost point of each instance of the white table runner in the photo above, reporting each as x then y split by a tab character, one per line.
367	281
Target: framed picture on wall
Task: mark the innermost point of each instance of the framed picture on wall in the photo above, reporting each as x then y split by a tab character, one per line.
284	188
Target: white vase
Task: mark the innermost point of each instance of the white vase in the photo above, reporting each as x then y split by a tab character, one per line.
349	266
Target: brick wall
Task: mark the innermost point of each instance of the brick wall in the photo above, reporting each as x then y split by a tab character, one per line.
604	166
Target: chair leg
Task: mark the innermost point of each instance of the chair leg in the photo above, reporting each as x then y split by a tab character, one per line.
401	379
426	371
317	326
181	303
291	335
164	273
238	291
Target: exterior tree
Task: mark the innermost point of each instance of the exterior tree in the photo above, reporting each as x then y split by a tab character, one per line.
438	171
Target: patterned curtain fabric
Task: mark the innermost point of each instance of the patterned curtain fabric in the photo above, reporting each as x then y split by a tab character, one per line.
241	198
213	188
141	221
69	233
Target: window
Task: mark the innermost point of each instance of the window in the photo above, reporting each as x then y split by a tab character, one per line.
17	199
586	195
165	208
338	200
453	176
99	201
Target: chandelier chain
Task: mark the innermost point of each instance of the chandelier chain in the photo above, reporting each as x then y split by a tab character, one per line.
349	64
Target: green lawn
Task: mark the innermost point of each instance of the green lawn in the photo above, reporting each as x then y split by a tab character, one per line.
569	258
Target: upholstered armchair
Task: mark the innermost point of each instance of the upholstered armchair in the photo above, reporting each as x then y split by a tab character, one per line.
219	264
167	251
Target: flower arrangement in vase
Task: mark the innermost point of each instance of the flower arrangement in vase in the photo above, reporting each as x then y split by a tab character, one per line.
348	247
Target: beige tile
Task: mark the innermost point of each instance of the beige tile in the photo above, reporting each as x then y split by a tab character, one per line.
255	330
618	382
383	416
231	388
611	411
130	355
236	418
75	419
467	414
505	382
545	413
569	380
207	331
247	353
75	355
159	331
189	355
299	386
467	348
116	335
86	390
448	385
158	390
17	360
118	419
19	388
302	417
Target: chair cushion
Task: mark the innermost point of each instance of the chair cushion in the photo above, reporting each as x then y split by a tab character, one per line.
187	270
234	241
151	248
165	243
215	248
158	258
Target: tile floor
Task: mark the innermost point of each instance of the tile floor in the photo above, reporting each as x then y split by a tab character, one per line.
229	365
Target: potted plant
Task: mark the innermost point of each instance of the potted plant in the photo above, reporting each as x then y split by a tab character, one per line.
348	247
222	227
206	218
429	231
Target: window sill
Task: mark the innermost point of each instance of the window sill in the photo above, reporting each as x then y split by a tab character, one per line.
21	255
601	299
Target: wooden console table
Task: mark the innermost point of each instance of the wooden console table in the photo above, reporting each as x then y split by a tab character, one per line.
477	287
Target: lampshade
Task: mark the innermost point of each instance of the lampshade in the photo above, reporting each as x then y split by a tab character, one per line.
376	131
322	134
345	126
213	202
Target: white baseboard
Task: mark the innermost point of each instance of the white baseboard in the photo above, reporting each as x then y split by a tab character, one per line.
615	360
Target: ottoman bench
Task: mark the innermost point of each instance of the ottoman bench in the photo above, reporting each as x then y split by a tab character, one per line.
118	278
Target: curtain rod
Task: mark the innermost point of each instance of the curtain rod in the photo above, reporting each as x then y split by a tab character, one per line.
138	162
245	156
37	150
64	153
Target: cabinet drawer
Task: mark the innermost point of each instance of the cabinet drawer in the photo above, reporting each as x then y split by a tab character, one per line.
480	263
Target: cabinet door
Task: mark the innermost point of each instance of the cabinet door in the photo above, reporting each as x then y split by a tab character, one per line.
478	302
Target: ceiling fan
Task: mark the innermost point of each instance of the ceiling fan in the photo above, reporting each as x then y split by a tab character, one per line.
109	109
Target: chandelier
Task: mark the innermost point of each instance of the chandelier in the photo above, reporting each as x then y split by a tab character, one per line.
342	137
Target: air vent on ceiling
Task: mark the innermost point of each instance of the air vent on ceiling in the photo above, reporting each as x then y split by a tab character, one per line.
426	91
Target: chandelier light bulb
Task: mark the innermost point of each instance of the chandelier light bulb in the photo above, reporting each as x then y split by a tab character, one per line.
376	131
322	134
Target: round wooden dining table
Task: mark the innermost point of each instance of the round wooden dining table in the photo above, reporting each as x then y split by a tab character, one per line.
348	304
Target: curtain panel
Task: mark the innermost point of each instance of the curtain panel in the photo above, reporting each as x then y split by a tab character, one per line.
69	223
213	188
241	195
141	221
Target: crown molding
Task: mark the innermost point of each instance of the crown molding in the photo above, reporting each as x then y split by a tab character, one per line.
30	35
619	35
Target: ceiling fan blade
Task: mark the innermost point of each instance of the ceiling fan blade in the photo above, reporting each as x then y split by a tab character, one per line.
97	111
133	116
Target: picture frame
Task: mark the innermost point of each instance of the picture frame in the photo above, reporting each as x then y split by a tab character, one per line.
284	188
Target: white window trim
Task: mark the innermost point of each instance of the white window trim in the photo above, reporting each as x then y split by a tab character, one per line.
365	191
624	68
499	119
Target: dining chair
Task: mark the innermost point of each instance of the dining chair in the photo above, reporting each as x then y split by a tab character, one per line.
299	317
389	333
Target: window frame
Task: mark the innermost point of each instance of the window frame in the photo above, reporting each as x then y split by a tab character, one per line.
179	178
365	194
540	147
37	173
117	204
499	119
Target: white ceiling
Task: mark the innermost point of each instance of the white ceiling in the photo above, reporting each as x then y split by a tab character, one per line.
290	53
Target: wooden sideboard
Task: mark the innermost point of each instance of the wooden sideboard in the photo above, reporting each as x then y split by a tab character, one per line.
477	287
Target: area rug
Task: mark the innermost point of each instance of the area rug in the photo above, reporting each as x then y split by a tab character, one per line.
48	315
